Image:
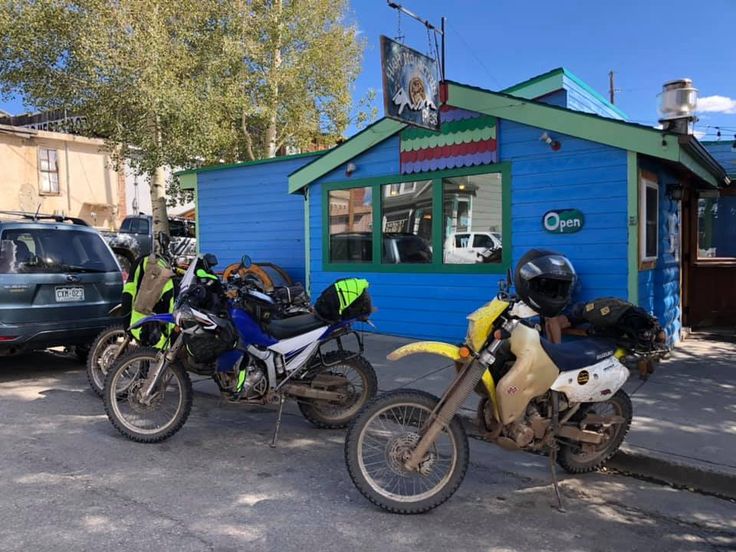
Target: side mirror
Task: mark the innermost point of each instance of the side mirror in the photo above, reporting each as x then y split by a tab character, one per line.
210	259
246	261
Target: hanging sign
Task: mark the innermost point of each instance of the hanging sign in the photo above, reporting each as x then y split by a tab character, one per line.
411	90
563	221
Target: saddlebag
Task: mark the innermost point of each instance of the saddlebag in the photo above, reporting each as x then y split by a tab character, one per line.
346	299
620	320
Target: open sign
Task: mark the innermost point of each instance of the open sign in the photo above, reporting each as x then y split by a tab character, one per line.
563	221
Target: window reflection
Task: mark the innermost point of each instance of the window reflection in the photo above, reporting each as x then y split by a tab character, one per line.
407	222
351	225
472	219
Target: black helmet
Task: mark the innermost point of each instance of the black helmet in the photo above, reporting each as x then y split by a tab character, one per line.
545	280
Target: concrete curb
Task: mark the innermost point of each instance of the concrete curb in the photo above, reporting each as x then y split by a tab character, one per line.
665	470
653	467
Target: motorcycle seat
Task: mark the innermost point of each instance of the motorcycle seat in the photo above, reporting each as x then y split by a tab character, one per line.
574	355
284	328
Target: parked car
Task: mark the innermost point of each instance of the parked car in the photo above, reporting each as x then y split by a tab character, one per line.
135	238
473	247
398	247
59	281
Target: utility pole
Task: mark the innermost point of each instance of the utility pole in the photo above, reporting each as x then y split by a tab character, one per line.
611	88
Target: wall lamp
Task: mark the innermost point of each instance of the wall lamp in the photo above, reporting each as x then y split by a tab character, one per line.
350	168
551	142
675	192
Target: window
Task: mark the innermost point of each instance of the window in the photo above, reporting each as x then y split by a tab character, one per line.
450	221
716	227
407	222
351	225
54	251
473	219
48	171
126	226
648	220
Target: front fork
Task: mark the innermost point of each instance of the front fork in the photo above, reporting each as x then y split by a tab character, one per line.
155	375
458	392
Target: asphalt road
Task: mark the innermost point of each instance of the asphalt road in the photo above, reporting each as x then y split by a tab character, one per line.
69	481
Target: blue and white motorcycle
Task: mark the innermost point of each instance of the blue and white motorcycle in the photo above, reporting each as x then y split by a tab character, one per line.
253	358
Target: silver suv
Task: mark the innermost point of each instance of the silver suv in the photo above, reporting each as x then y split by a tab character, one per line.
58	282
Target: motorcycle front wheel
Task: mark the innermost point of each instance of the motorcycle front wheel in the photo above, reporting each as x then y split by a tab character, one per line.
166	410
379	442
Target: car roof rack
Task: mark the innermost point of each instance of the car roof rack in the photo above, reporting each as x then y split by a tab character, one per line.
43	216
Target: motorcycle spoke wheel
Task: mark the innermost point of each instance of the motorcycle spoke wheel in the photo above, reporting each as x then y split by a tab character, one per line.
101	355
164	412
360	387
583	458
380	443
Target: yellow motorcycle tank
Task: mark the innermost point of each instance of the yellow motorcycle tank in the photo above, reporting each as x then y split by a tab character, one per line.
532	375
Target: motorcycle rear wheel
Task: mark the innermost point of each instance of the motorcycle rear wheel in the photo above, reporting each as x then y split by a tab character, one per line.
378	443
171	401
575	459
98	360
362	386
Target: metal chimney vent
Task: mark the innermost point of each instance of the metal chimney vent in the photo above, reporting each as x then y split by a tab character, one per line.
677	104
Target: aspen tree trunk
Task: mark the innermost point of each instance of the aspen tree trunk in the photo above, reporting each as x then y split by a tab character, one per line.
276	65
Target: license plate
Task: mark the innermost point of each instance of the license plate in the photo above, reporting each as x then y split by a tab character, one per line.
69	294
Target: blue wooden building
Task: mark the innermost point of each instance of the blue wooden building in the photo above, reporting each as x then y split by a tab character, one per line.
434	220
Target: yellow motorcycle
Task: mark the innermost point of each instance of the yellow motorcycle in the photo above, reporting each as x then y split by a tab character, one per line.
407	451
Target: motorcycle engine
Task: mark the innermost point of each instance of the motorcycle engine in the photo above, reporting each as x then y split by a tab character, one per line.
254	384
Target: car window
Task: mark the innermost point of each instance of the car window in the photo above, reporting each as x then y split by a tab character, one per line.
142	227
177	229
125	227
413	249
351	247
461	240
48	250
482	240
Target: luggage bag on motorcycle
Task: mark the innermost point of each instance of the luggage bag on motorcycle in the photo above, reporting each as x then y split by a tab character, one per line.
618	319
346	299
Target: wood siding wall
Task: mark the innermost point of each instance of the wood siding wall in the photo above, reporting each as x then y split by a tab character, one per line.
659	288
248	210
583	175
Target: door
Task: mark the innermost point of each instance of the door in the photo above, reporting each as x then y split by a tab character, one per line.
709	261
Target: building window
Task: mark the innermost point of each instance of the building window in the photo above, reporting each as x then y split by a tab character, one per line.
472	219
648	220
451	221
351	225
48	171
716	227
406	215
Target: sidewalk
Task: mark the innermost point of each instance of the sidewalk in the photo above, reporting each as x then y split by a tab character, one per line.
684	427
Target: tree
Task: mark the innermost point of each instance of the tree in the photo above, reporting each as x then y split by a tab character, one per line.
181	82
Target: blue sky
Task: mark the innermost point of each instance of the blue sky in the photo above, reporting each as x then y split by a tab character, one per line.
497	43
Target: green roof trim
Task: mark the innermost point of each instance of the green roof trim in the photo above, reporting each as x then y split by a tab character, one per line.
538	86
631	137
554	80
222	166
187	180
364	140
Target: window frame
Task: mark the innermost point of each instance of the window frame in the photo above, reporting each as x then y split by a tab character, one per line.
437	265
708	261
41	172
647	180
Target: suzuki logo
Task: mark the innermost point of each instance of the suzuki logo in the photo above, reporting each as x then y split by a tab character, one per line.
72	278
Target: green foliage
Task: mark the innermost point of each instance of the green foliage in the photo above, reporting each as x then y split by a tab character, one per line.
186	82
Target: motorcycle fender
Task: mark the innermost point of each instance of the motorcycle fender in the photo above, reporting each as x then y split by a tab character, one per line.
428	347
595	383
165	318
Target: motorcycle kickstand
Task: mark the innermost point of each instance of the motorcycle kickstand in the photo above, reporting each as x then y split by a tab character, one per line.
555	484
278	422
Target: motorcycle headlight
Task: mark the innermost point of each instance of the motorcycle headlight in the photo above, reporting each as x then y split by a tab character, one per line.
183	315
